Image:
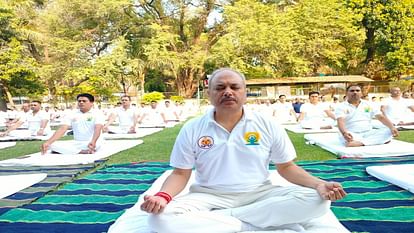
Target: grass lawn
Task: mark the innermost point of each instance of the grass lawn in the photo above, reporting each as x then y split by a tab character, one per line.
158	147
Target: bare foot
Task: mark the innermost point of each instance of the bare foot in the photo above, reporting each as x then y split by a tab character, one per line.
326	127
354	144
84	152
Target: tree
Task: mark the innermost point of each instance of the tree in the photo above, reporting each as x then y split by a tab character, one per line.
389	31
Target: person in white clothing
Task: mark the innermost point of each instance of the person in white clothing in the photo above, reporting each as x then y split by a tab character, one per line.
355	121
398	109
171	112
153	115
37	123
315	115
86	124
284	112
127	118
230	149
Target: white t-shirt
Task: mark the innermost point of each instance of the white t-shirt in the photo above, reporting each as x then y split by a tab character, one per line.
236	161
357	119
283	110
34	121
125	116
153	116
398	110
313	111
83	124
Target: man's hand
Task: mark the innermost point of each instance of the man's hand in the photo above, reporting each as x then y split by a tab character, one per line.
40	132
331	191
132	129
153	204
348	136
395	132
91	147
105	129
44	147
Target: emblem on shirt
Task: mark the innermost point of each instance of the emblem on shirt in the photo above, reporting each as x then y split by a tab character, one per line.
252	138
367	109
205	142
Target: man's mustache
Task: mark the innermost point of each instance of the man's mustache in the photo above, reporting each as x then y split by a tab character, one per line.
226	98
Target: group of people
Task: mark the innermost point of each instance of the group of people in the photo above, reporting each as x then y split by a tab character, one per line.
87	123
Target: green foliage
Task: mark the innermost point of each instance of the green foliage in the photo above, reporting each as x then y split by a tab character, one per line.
177	99
153	96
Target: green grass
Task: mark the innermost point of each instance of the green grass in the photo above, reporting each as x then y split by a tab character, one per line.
157	147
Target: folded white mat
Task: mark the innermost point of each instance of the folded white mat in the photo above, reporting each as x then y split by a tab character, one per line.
141	132
298	129
12	184
135	221
6	144
401	175
107	149
332	143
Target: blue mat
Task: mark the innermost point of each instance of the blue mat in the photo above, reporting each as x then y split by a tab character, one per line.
93	203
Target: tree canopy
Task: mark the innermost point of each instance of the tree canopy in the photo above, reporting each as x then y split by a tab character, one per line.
58	48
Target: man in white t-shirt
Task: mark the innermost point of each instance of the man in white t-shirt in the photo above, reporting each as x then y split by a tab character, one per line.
86	124
127	118
284	112
153	115
37	123
399	110
171	112
316	115
230	149
355	121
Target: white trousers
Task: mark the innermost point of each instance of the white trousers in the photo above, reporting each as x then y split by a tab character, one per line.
269	206
317	123
371	137
72	147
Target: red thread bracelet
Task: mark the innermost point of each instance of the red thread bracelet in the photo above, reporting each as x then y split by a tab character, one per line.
164	195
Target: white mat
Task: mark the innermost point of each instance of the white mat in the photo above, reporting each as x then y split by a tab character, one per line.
6	144
401	175
141	132
12	184
108	148
298	129
135	221
169	124
331	142
29	138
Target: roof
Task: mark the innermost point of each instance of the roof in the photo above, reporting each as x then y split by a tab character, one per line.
316	79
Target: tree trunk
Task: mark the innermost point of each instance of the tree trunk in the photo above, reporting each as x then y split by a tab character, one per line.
369	41
186	85
3	105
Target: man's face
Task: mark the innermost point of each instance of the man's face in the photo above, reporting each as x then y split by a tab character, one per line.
282	99
153	105
354	93
125	102
406	95
395	92
314	98
84	104
26	107
227	91
34	106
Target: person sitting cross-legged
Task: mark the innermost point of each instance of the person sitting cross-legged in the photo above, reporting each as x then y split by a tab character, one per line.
36	121
354	117
230	148
127	118
86	124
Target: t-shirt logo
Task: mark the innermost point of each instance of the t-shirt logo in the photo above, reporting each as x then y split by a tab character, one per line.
367	109
252	138
205	142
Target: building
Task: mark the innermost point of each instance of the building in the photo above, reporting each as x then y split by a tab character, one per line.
301	86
